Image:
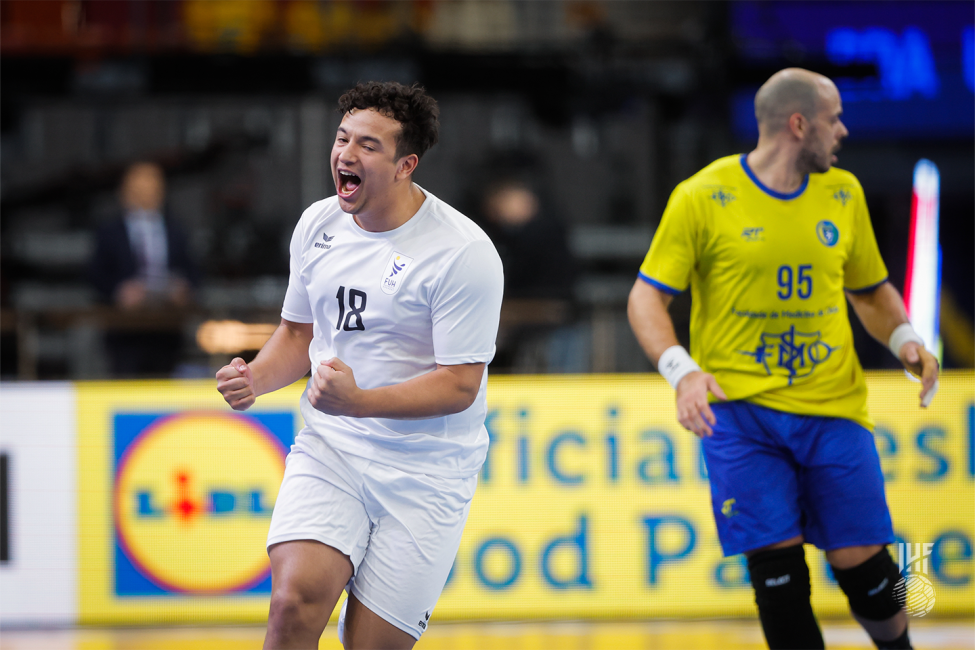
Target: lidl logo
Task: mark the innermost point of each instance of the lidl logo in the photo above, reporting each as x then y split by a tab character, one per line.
193	496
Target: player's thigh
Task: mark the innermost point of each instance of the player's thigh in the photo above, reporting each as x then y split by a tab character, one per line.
318	501
366	629
842	488
309	572
412	547
754	479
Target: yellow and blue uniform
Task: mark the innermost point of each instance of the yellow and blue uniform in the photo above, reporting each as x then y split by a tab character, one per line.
767	273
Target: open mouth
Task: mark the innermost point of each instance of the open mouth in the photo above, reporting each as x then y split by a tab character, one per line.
348	183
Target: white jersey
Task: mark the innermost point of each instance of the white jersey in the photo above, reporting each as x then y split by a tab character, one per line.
392	305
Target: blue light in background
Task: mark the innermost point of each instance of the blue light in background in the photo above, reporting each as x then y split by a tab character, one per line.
905	62
923	54
968	57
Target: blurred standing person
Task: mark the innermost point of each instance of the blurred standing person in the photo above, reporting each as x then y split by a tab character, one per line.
531	242
773	243
142	260
539	277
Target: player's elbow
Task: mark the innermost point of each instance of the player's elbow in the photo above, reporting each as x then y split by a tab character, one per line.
465	384
466	393
464	401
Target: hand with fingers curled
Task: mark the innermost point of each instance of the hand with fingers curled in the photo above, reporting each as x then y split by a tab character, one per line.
333	389
693	411
924	365
236	383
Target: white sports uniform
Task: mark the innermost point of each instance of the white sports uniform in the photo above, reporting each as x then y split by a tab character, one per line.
391	494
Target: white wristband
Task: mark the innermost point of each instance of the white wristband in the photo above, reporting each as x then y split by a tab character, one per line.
675	364
902	334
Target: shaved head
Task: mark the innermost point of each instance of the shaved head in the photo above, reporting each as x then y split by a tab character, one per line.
787	92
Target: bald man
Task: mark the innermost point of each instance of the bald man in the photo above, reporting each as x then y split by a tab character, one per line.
772	244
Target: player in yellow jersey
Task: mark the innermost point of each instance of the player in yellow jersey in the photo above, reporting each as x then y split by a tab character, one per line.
772	244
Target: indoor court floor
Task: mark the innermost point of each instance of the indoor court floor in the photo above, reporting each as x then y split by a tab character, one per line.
657	635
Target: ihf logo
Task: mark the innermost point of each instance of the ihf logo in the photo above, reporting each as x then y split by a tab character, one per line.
914	591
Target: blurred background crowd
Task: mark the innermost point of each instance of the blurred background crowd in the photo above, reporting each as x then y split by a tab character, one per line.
155	156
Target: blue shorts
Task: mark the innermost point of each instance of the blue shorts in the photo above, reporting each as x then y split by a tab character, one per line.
776	475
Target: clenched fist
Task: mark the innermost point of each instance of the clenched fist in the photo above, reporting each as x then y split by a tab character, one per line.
236	384
333	389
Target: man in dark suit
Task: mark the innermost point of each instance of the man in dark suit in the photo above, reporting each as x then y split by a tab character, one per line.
142	261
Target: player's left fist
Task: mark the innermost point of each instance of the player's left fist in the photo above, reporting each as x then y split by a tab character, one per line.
333	389
924	365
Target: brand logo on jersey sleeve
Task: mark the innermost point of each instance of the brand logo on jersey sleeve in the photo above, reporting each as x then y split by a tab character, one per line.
720	193
396	270
828	233
842	193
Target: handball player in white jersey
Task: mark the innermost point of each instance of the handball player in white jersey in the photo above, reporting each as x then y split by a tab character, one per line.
394	299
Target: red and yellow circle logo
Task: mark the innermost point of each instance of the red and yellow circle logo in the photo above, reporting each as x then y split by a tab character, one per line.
193	498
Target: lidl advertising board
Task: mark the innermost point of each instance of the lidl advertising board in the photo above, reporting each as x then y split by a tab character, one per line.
593	503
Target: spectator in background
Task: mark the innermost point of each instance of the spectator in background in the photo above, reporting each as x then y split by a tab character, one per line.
142	261
531	242
540	273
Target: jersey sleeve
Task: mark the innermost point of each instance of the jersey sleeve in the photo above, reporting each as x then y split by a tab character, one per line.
466	306
864	269
297	306
673	251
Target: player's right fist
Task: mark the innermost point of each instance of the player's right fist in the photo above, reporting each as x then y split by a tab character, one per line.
236	384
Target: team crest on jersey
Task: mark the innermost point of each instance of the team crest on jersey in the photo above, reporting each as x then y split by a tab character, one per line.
396	270
828	233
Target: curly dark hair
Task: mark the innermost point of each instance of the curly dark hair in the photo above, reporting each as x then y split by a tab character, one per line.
411	106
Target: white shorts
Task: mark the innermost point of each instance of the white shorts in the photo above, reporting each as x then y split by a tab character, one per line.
400	530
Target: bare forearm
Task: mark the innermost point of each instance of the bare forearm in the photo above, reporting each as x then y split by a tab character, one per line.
651	323
443	391
284	358
880	311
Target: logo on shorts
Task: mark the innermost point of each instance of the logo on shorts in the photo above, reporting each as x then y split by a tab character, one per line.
728	508
914	591
193	493
828	233
396	270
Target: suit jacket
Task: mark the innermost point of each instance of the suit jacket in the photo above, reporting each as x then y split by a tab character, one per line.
115	261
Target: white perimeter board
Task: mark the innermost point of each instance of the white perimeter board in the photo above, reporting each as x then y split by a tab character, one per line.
38	433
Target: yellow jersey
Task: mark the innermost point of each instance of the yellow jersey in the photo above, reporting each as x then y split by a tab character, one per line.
767	273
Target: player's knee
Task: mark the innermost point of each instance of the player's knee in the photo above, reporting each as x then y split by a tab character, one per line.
869	587
290	610
781	581
780	577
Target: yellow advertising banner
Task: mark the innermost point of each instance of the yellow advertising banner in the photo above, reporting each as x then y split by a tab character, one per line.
175	496
593	503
